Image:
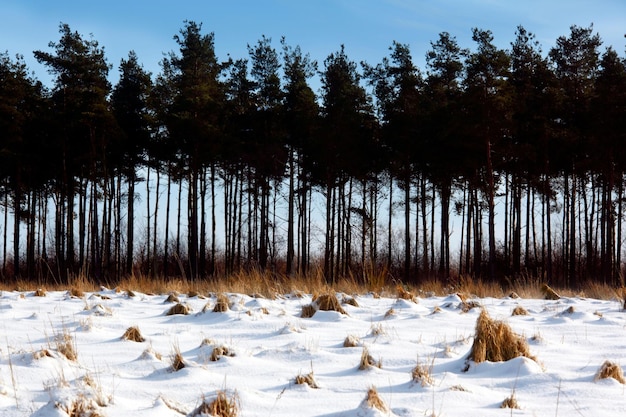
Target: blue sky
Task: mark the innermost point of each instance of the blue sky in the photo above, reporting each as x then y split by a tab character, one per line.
366	27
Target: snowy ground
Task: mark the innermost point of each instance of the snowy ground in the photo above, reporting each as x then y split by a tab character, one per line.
272	345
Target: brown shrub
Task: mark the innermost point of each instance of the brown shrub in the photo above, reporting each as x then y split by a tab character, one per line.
549	293
76	292
178	309
610	370
40	292
495	341
519	311
133	334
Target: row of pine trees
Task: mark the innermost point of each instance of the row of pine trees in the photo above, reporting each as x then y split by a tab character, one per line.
212	167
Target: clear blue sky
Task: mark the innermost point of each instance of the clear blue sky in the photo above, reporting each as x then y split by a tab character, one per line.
366	27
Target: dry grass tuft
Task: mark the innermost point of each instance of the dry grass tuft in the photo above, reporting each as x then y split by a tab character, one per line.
421	374
178	309
329	302
80	407
373	400
350	301
514	295
495	341
221	406
569	310
219	351
367	361
510	402
177	360
40	292
222	304
403	294
76	292
308	311
42	353
436	310
467	305
519	311
133	334
610	370
172	298
351	341
308	379
66	345
549	293
389	313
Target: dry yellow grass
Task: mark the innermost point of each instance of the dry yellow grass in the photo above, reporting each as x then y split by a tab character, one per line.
172	298
221	406
421	374
178	309
610	370
519	311
495	341
308	311
222	304
66	345
80	407
367	361
177	360
549	293
373	400
403	294
329	302
40	292
307	379
133	334
510	402
219	351
351	341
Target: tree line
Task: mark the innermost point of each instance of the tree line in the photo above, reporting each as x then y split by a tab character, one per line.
213	167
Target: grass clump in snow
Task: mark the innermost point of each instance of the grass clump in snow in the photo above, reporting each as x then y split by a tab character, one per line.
40	292
610	370
66	345
308	311
351	341
403	294
219	351
495	341
329	302
549	293
307	379
177	361
172	298
373	400
221	406
367	361
510	402
80	407
421	374
178	309
133	334
519	311
222	304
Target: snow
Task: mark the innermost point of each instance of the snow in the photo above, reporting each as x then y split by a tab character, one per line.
268	344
